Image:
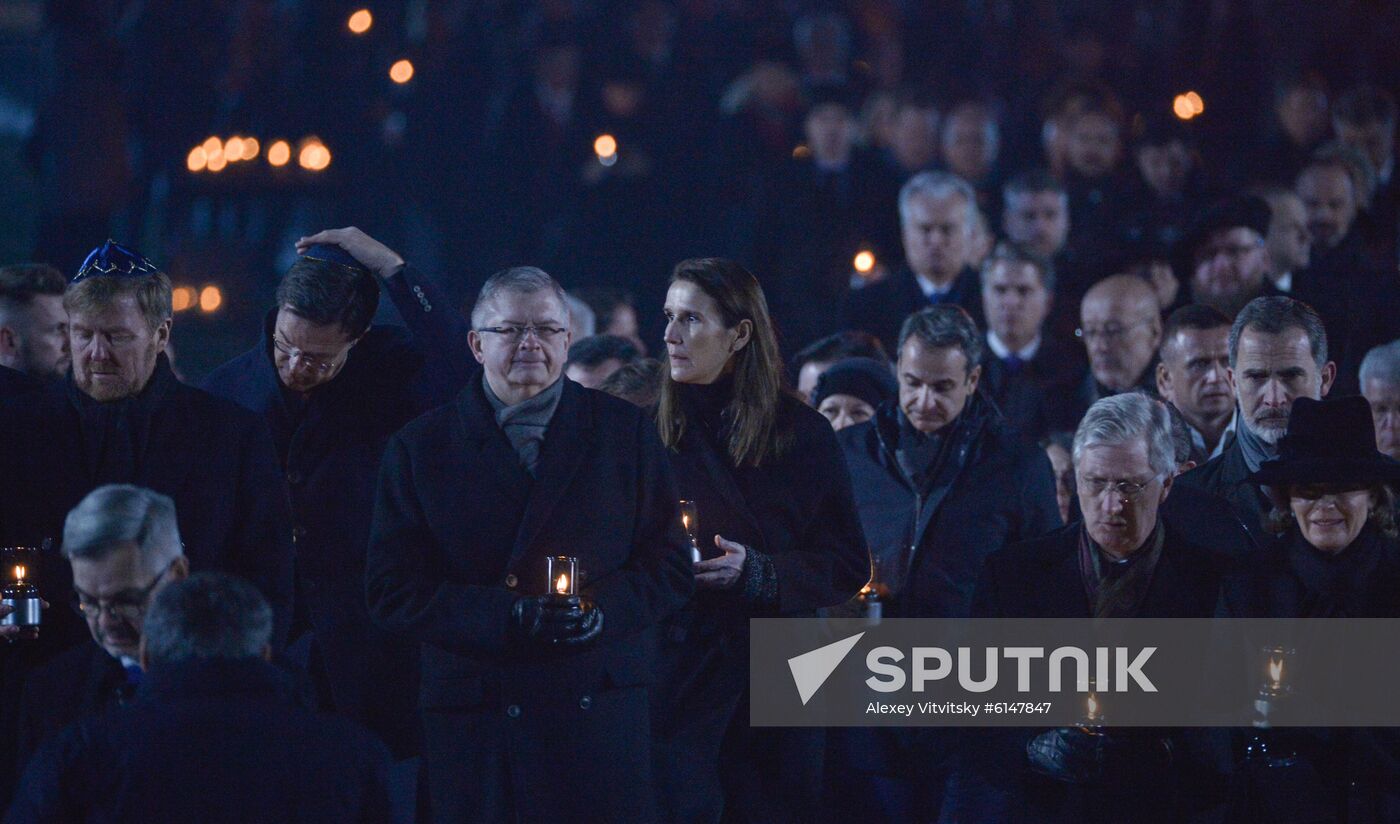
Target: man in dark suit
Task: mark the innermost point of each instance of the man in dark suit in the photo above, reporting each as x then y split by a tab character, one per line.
1193	375
937	218
535	703
213	735
1364	119
1031	377
332	389
940	483
123	417
33	328
1225	254
1121	561
1278	353
1121	327
124	544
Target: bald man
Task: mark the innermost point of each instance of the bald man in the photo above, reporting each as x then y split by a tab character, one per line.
1120	324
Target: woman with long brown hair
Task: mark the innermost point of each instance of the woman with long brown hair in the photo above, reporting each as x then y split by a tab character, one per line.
779	533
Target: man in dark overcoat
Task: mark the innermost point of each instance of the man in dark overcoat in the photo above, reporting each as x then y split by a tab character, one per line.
535	702
332	389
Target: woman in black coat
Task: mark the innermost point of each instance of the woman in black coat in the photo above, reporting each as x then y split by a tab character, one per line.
1336	555
779	534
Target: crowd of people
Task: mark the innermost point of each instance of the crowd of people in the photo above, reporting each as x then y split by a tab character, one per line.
1089	375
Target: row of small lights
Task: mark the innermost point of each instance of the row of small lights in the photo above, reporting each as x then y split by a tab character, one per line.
214	155
206	300
359	23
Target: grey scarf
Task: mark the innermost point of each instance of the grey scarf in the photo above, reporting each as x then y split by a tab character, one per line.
526	423
1256	451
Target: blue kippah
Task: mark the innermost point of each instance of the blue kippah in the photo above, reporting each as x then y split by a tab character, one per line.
112	259
331	253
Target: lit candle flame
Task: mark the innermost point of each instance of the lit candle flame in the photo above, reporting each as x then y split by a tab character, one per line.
19	574
561	585
865	261
1093	707
685	522
1276	671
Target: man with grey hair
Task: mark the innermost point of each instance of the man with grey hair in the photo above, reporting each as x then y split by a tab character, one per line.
937	218
33	327
476	502
123	417
123	543
1380	385
1278	353
941	482
214	716
1123	560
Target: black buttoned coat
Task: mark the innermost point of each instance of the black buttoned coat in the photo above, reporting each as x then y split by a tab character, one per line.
514	731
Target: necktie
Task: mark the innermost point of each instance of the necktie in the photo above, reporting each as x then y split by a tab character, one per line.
1014	364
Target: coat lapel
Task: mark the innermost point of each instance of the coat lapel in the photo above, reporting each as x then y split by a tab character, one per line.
567	443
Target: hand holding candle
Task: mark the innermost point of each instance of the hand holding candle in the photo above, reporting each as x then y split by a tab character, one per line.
690	520
722	572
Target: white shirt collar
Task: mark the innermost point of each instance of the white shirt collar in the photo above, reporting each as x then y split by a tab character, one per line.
1284	282
1001	350
929	290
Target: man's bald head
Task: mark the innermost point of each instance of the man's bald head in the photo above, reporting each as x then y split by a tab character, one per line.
1121	326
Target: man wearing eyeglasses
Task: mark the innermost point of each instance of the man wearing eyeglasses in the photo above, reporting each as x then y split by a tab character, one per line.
123	543
332	387
1120	561
1228	257
1121	326
535	703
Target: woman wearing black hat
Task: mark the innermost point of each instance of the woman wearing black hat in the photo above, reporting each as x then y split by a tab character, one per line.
1336	556
851	390
1337	553
780	534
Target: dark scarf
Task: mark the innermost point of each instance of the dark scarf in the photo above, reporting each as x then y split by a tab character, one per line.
526	423
920	456
1117	588
1335	584
116	434
706	408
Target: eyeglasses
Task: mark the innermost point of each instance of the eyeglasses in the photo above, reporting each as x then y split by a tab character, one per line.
1110	333
1127	490
1231	250
128	607
312	362
515	334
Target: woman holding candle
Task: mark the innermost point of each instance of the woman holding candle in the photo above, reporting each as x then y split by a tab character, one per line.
780	536
1335	556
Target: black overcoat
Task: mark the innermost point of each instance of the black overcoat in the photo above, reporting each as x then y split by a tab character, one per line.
460	531
797	510
214	740
881	308
1227	475
214	458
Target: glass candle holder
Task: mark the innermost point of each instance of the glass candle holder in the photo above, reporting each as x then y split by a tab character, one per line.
563	575
20	566
690	520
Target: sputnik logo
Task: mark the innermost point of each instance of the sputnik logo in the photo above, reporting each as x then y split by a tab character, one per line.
811	669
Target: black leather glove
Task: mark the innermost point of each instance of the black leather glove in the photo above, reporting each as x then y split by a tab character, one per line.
1075	756
527	617
572	621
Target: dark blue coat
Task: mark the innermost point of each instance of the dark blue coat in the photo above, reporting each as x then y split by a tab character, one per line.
330	451
14	382
461	530
212	457
994	490
208	741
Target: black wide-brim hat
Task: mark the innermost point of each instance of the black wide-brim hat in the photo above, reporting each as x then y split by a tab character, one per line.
1329	442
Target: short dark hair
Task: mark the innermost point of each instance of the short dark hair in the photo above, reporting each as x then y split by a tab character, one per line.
942	326
595	349
324	292
1365	106
1196	316
1275	315
208	615
20	283
639	382
848	343
1032	182
1017	254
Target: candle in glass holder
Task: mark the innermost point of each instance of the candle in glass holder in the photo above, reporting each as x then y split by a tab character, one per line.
690	520
21	565
563	575
1093	713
